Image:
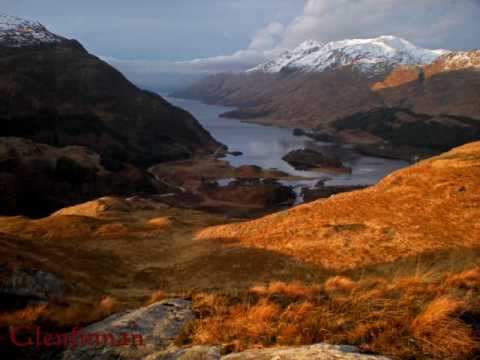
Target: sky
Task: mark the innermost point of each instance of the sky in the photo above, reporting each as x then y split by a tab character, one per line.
167	40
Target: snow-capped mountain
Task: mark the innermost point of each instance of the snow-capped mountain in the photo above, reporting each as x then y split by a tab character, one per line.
369	56
17	32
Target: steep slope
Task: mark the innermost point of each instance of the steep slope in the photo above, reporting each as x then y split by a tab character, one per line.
429	207
53	92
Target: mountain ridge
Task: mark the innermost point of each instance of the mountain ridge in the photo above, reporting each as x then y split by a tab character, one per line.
369	56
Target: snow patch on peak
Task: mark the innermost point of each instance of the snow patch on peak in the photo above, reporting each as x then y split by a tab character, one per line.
17	32
368	56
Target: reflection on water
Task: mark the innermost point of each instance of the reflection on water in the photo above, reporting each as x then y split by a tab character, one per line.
265	146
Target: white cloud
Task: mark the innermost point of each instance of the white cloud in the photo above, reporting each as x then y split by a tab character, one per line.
428	23
268	37
263	47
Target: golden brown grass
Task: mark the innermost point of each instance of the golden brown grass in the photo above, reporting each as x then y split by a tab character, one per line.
439	330
410	317
157	296
59	314
429	207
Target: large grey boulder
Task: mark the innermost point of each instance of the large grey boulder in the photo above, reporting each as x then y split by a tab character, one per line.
311	352
133	335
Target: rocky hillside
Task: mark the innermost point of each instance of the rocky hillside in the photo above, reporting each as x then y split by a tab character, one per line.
52	91
315	86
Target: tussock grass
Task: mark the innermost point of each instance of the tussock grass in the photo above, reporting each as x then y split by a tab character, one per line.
411	317
58	314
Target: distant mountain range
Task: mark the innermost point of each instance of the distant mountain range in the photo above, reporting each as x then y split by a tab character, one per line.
363	90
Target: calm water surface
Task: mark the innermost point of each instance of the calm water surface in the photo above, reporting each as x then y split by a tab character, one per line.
265	146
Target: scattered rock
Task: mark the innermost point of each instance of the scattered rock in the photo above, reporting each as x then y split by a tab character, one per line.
157	324
308	159
34	284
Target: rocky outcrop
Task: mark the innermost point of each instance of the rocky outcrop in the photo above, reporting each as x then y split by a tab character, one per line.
142	332
308	159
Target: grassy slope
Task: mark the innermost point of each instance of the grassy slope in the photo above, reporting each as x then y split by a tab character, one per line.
431	207
393	268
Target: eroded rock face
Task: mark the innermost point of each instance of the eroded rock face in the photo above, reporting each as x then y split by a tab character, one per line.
154	327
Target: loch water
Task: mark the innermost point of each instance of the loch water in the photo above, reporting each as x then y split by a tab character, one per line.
266	145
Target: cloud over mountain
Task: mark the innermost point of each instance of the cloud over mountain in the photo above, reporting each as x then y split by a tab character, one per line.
447	24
